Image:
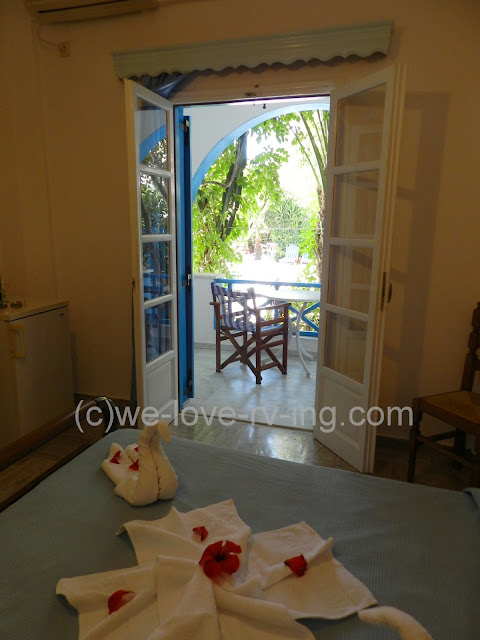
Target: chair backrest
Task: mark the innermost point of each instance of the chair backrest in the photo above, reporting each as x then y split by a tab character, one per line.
472	361
292	251
236	307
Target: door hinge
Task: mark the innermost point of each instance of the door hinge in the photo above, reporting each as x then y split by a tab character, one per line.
187	281
185	126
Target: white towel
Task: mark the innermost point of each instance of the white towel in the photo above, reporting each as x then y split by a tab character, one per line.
260	601
116	466
406	626
341	593
132	452
155	478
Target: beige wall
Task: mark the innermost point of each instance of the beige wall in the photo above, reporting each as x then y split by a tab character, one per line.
26	231
64	171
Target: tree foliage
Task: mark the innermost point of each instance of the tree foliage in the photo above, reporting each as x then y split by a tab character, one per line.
154	203
287	223
231	201
243	199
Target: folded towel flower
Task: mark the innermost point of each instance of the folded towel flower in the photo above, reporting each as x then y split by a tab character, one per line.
143	474
173	598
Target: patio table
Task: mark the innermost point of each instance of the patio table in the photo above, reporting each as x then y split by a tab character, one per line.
305	298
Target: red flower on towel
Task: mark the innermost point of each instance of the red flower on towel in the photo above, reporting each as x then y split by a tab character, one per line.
220	558
115	458
134	465
119	599
297	564
200	531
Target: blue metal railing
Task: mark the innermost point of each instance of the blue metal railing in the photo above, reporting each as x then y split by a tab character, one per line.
230	282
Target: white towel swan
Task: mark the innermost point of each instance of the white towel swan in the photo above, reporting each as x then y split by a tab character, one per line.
155	478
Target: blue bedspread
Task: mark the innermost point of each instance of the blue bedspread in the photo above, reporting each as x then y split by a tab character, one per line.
414	547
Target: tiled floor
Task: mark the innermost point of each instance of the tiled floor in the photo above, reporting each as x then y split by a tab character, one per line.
281	400
391	455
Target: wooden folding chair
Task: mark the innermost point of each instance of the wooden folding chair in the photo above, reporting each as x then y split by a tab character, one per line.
246	327
459	409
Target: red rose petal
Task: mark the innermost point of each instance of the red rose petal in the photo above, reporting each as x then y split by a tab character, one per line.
231	547
200	531
211	551
297	564
212	568
115	458
134	466
230	564
220	558
119	599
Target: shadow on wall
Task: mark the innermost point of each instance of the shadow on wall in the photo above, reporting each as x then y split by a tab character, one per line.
423	149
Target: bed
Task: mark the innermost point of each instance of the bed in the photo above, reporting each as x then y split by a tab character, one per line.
416	548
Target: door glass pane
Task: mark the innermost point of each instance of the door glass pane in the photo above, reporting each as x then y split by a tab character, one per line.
156	269
158	331
155	218
359	126
345	342
349	277
355	205
152	134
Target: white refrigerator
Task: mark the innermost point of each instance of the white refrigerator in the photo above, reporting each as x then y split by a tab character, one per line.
36	380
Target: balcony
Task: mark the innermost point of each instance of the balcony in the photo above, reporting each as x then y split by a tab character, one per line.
280	400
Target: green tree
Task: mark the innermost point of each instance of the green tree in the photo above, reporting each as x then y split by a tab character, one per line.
308	131
231	203
237	197
287	222
154	204
312	140
217	221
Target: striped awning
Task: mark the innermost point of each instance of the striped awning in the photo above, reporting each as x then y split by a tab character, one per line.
325	44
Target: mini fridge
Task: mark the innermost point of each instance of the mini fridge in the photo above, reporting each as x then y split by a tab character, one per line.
36	380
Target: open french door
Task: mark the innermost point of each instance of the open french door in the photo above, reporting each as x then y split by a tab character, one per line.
152	195
365	125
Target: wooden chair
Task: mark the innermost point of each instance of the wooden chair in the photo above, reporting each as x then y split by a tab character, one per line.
239	320
459	409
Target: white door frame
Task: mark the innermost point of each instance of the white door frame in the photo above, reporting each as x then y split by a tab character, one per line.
167	404
351	441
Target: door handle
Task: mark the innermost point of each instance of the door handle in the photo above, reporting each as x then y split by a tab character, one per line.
13	331
187	281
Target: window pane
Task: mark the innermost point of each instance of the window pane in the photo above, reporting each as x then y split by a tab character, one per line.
355	205
349	277
155	218
156	269
158	331
359	126
151	125
345	341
